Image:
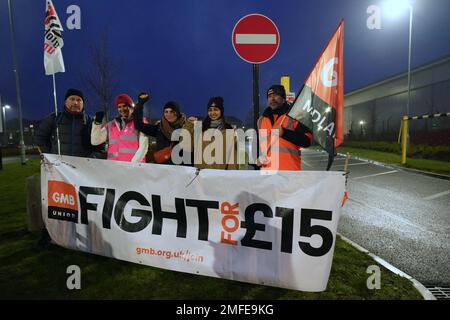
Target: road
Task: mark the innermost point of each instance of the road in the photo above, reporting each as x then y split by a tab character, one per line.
401	216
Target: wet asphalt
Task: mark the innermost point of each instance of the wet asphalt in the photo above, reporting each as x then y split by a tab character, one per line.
401	216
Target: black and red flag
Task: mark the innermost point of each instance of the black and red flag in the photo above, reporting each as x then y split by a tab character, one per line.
320	104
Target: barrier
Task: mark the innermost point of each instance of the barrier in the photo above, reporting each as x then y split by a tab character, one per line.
403	136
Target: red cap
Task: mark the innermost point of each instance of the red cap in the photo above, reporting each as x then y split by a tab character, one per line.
124	98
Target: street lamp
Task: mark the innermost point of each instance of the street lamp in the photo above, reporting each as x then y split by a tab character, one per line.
4	108
395	8
32	134
362	127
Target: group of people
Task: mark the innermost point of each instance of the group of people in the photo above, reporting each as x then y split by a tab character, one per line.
126	136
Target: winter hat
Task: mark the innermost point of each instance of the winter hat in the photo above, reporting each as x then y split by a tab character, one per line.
124	98
74	92
174	106
216	102
278	90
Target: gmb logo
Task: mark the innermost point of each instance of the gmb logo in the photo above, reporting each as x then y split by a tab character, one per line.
62	201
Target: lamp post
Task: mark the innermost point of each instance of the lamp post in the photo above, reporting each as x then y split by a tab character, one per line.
408	105
395	7
16	74
4	108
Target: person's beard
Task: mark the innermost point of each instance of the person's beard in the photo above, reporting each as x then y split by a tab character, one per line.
275	106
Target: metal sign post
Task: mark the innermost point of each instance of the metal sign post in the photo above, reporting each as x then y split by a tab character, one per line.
256	40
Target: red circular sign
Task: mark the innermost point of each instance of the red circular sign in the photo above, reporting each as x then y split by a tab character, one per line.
256	39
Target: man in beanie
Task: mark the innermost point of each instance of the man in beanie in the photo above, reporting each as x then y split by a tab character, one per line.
281	138
74	127
124	142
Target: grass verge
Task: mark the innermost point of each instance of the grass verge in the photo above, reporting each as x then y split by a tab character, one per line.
440	167
31	272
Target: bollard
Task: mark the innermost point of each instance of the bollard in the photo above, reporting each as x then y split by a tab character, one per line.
405	139
34	205
347	159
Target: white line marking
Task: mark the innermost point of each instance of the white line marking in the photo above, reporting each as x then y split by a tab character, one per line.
313	156
353	164
438	195
376	175
359	164
306	163
256	39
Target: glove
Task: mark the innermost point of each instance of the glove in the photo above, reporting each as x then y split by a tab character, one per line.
143	98
99	117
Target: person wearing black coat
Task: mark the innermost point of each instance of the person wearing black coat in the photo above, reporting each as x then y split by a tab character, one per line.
172	120
74	127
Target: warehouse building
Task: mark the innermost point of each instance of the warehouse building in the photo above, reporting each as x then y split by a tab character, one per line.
375	112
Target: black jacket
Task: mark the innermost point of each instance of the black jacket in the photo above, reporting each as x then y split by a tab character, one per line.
153	130
74	134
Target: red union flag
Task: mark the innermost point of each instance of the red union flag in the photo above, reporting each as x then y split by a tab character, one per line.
320	104
53	41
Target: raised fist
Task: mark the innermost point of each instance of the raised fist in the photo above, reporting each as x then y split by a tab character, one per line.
143	98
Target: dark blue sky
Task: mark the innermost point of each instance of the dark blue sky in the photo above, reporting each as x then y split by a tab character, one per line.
181	49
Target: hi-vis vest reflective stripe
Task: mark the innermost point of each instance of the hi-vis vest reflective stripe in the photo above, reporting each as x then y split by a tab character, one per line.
124	143
281	154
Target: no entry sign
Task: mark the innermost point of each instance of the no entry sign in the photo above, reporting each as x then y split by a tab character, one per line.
256	39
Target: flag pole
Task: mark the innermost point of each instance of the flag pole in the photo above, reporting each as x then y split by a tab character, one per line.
56	113
52	45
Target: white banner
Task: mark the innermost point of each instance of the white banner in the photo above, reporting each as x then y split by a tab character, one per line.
53	41
276	230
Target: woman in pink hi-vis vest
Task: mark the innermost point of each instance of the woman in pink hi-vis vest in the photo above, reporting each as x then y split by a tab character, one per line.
125	143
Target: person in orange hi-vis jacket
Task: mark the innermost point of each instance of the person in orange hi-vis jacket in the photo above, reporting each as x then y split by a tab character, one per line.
280	137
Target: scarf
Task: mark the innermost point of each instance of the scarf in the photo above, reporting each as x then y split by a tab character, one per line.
168	128
217	124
